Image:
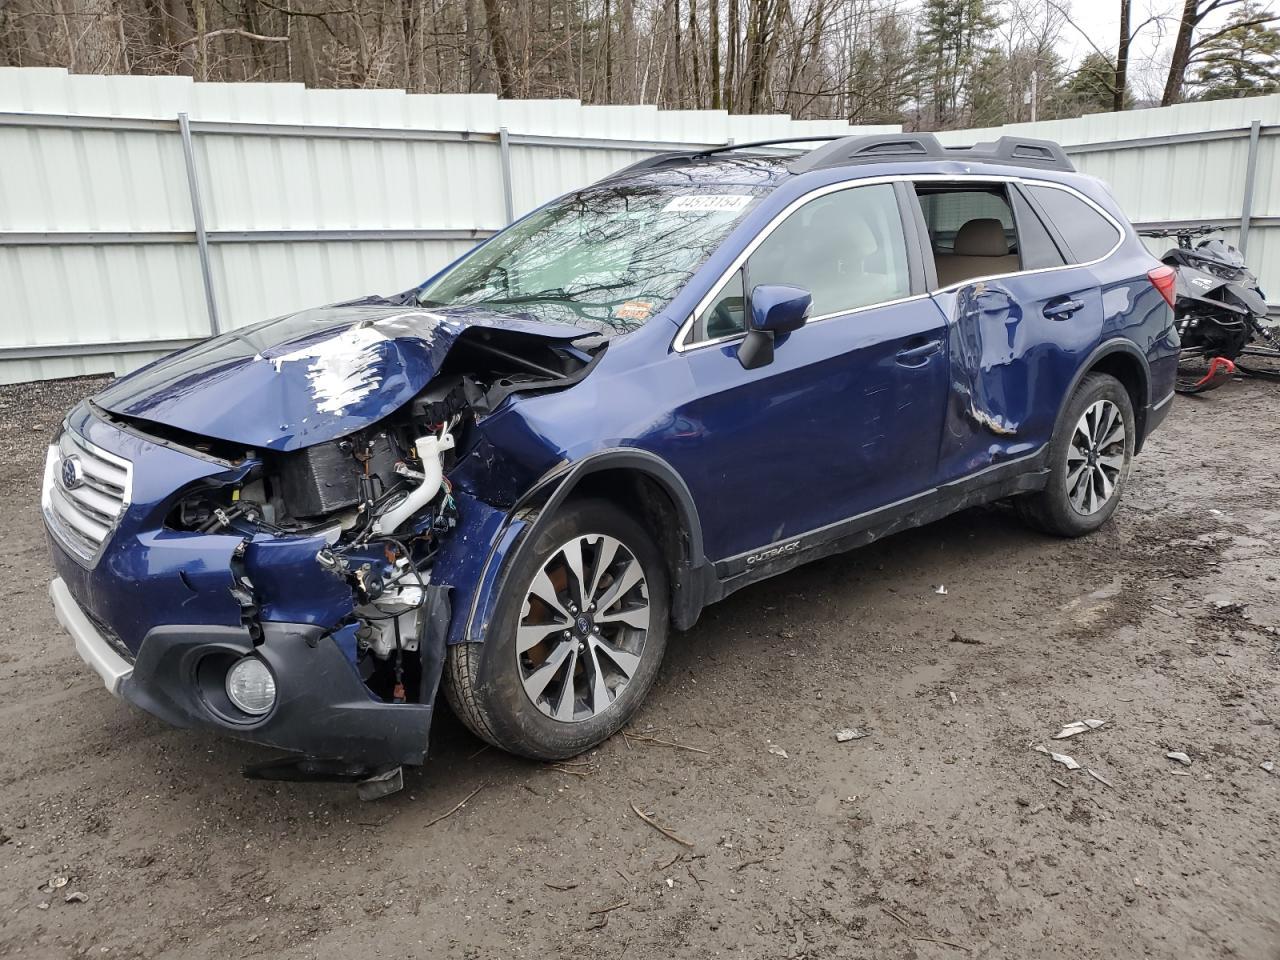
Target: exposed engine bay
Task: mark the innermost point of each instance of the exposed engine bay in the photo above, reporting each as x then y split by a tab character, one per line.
378	502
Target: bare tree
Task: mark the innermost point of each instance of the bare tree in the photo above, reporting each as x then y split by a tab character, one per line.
924	63
498	46
1122	58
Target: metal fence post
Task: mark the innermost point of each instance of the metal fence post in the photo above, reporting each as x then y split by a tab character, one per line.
504	145
1250	174
197	214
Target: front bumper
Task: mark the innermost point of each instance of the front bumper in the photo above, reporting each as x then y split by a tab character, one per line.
322	711
93	647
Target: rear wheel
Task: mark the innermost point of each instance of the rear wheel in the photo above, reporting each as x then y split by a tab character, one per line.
1089	459
576	640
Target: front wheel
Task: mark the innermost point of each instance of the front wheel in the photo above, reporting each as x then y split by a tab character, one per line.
1089	459
576	639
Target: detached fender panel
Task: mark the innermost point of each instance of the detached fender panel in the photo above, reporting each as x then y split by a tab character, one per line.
469	558
293	586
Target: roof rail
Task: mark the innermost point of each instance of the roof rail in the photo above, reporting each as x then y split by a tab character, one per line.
684	156
778	142
879	148
843	151
655	162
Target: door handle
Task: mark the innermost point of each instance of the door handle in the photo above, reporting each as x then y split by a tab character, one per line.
918	356
1062	309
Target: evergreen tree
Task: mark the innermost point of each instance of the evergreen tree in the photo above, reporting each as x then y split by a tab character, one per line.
953	39
1244	61
1002	86
1092	87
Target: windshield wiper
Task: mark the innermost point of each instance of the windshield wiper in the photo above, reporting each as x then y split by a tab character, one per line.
540	297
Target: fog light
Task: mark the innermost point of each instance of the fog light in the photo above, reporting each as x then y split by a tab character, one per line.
251	686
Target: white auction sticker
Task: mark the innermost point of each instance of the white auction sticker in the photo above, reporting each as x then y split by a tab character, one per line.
708	203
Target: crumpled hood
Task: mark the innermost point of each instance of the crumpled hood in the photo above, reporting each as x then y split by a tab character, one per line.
305	378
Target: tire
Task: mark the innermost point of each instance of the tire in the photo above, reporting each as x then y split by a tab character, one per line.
1063	507
489	684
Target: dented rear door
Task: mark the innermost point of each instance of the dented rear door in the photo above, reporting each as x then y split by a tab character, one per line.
1015	344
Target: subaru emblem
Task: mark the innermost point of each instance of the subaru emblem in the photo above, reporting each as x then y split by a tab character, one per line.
72	472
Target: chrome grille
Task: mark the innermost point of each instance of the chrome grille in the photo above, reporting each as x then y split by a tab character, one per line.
86	491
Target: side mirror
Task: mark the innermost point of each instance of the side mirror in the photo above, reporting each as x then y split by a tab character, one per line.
775	309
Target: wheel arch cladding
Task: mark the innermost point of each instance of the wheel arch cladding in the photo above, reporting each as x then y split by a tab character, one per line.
648	488
641	483
1132	373
640	495
1122	360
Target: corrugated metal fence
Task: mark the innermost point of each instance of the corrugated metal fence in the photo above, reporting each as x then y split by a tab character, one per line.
139	213
112	185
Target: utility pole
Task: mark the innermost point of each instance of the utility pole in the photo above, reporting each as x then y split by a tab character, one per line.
1035	85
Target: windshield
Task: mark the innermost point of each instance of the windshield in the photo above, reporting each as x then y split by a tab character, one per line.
607	258
1220	250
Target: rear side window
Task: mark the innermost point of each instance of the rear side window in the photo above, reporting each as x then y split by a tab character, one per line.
971	230
947	209
1087	232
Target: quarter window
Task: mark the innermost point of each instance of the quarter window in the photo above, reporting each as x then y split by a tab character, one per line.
1035	246
727	313
1087	232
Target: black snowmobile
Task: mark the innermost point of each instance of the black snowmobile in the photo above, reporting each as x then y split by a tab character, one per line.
1220	312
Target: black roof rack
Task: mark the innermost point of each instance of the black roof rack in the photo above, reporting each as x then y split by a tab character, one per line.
843	151
882	147
656	162
777	142
675	157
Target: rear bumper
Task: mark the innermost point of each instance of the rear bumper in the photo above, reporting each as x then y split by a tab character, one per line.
322	711
1156	413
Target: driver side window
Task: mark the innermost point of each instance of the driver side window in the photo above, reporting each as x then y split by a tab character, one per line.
846	248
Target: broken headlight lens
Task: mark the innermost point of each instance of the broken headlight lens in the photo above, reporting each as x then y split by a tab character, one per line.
251	687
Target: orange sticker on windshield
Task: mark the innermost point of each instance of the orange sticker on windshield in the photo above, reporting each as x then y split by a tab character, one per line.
633	310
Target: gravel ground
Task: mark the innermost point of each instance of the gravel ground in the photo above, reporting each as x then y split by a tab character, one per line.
941	834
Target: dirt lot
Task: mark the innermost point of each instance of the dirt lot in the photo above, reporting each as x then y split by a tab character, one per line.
942	834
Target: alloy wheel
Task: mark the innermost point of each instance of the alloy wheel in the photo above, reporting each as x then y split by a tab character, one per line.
1095	457
583	628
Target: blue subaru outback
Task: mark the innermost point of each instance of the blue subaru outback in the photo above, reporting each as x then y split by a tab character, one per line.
513	481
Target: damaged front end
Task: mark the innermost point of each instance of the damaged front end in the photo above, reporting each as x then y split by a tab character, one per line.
284	561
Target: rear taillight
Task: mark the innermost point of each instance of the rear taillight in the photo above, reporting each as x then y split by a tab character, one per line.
1165	279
